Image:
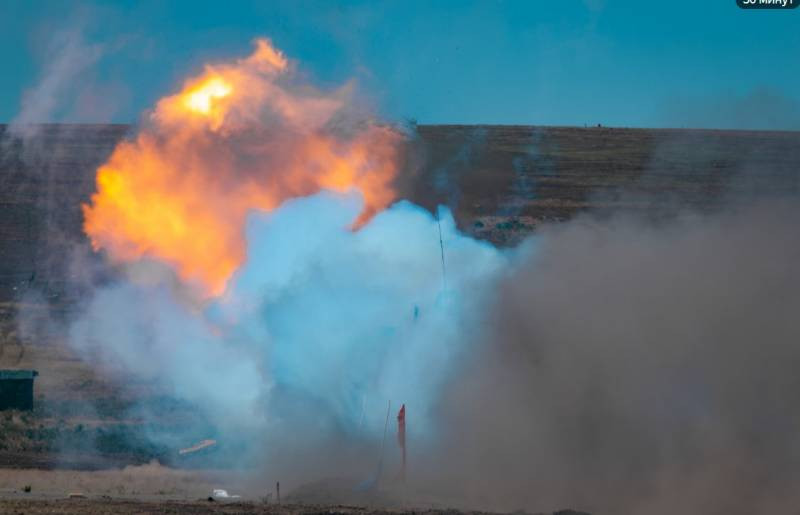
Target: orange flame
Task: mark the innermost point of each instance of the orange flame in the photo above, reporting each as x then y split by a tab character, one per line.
233	139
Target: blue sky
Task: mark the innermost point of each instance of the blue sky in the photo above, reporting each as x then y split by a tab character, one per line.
559	62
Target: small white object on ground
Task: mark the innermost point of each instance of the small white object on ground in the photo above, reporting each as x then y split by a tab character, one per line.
219	493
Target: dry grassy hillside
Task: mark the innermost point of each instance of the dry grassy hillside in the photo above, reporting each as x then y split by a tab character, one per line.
501	181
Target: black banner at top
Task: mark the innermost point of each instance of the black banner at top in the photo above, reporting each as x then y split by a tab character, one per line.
767	4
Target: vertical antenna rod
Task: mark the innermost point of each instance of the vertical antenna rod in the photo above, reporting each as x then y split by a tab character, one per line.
383	445
441	246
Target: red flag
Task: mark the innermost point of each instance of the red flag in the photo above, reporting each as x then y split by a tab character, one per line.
401	437
401	426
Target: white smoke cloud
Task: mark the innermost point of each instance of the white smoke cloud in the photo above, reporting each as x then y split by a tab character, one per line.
318	331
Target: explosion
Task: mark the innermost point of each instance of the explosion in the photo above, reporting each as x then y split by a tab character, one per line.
616	363
241	136
251	184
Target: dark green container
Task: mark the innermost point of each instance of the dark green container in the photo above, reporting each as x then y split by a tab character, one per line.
16	389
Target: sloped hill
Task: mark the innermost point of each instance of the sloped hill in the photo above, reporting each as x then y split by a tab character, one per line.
500	181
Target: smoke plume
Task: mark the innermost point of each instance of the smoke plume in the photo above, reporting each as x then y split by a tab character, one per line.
627	367
320	329
70	56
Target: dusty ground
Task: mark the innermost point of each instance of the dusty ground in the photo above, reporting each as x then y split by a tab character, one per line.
153	488
137	506
81	419
149	480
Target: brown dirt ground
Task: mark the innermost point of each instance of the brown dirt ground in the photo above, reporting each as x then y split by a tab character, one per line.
138	506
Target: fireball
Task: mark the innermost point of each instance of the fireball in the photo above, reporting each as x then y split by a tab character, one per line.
240	136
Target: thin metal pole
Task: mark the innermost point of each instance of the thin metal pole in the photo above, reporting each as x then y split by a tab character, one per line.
404	461
383	444
363	412
441	246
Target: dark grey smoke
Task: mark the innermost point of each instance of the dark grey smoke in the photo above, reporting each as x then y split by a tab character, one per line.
527	166
43	164
633	368
69	58
445	176
763	108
